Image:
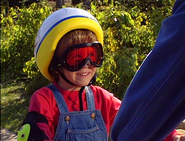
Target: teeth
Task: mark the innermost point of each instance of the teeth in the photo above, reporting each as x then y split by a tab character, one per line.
83	74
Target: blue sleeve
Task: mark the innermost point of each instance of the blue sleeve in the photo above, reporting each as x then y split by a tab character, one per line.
154	103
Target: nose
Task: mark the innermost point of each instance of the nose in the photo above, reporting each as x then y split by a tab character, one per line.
88	63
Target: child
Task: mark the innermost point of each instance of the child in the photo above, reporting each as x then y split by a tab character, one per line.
68	51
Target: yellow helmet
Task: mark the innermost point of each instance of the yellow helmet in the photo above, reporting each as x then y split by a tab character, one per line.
55	27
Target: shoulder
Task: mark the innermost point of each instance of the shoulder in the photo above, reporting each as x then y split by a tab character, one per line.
106	101
43	92
103	93
43	96
100	90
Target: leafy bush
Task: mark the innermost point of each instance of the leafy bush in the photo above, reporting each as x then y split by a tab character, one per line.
18	30
129	35
127	41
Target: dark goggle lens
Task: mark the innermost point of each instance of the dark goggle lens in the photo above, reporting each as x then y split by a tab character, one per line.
76	56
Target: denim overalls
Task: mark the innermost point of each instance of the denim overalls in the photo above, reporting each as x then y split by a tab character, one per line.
85	125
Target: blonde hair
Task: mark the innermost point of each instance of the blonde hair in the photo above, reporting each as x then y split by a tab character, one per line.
71	38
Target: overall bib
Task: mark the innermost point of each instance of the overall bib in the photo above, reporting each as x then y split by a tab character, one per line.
85	125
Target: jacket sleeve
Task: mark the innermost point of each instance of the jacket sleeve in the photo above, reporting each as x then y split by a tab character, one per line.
154	102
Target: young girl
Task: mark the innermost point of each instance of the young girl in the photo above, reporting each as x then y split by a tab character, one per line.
68	51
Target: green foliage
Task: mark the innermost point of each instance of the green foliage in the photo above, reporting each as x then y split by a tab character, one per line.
155	19
14	105
129	35
18	3
130	32
18	31
30	68
127	41
36	78
37	82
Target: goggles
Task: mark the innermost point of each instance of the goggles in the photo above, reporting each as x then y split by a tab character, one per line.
77	56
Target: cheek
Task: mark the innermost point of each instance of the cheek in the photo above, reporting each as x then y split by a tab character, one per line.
94	69
68	73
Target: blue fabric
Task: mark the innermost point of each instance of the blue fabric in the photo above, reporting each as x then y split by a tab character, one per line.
80	126
154	103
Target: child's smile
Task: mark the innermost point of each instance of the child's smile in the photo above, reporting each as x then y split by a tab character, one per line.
83	74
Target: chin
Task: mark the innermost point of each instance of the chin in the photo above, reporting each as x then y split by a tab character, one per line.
83	84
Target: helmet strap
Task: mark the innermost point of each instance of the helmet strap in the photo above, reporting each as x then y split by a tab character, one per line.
93	79
64	77
80	98
82	88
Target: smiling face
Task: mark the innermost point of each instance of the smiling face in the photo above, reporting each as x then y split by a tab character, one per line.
83	76
79	78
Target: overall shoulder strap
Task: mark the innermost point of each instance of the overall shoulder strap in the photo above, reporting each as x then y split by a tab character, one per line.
59	98
90	98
